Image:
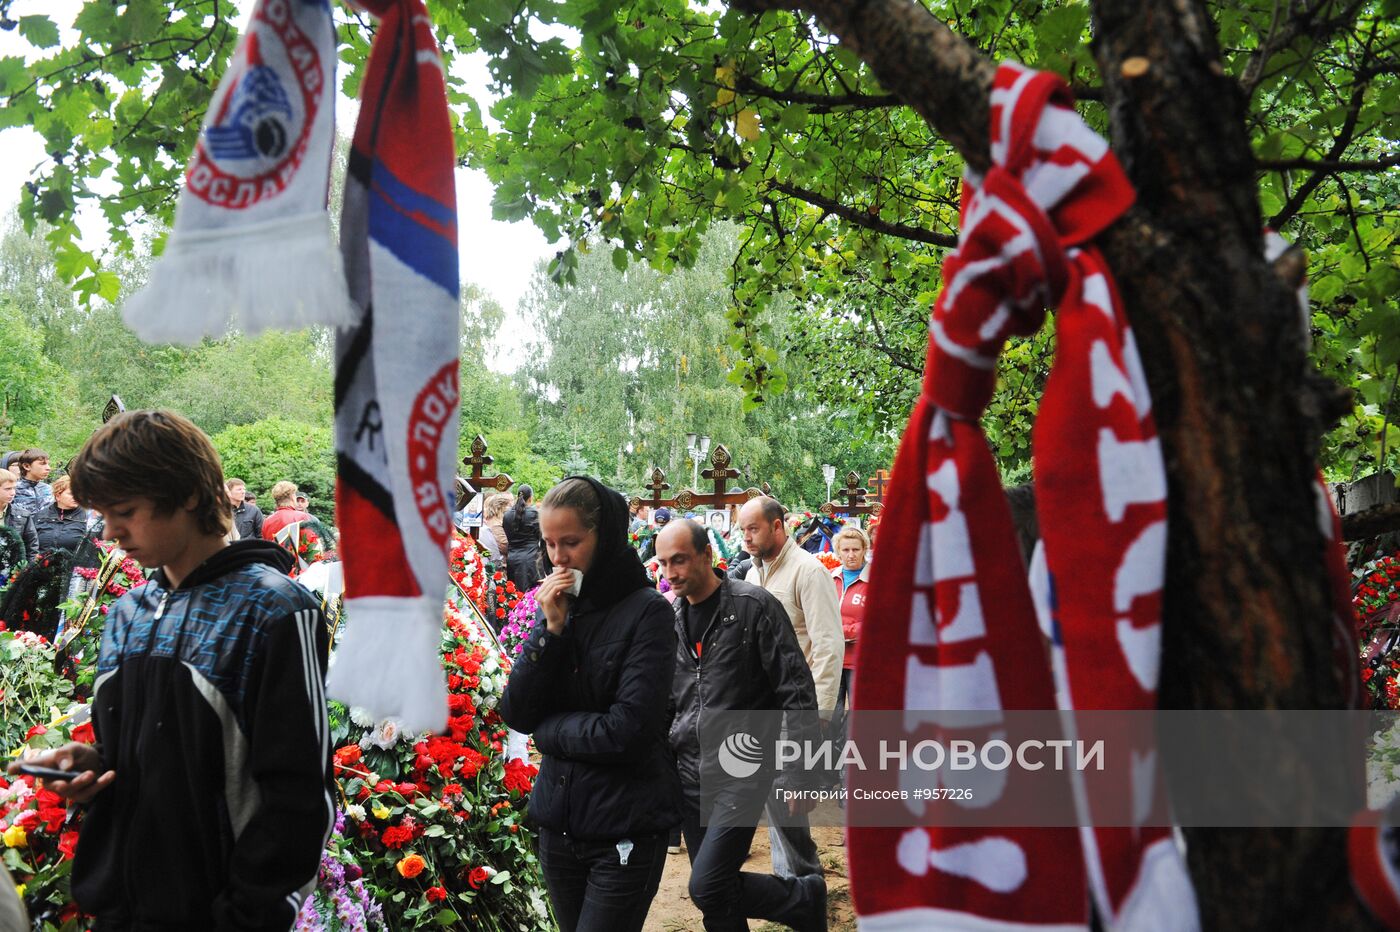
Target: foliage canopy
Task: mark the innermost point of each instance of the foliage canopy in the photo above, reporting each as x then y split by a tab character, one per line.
636	126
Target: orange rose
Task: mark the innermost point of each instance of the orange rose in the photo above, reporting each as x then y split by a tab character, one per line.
411	866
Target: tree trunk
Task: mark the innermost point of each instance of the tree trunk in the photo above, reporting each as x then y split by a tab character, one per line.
1240	409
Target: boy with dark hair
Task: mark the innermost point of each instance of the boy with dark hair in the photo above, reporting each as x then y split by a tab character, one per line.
16	520
209	789
247	517
33	493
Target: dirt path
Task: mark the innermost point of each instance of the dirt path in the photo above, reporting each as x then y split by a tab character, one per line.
672	910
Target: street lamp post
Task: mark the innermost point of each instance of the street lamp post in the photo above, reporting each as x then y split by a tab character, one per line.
829	474
698	446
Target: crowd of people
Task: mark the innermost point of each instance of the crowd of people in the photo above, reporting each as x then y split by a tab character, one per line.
627	660
616	687
46	517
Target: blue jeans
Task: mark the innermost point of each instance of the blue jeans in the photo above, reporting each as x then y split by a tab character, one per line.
592	890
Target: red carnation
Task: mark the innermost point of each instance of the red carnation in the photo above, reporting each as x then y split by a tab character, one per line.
472	763
520	775
437	894
396	836
52	818
68	845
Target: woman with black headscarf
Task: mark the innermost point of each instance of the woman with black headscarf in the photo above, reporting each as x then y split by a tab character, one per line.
592	685
522	526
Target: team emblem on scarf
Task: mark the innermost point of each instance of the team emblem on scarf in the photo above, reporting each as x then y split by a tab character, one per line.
951	623
252	247
396	398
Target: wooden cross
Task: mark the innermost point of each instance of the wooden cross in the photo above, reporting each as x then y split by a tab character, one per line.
720	473
479	480
855	497
878	483
657	485
113	407
479	459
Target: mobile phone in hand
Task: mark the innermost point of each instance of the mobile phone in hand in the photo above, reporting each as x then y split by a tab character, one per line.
49	773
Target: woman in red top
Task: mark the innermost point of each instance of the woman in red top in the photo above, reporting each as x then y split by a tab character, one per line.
852	579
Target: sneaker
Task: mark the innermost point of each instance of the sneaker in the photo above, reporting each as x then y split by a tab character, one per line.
673	849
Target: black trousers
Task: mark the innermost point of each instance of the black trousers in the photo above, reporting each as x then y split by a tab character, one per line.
726	894
592	890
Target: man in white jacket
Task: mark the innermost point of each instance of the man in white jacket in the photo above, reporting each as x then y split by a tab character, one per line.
803	587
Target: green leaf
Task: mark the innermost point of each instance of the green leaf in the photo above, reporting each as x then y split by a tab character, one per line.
13	74
109	285
39	30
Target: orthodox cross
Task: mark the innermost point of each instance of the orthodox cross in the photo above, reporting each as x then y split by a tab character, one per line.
855	500
720	474
657	485
878	482
113	407
478	478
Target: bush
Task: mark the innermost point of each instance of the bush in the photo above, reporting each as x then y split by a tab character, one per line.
265	452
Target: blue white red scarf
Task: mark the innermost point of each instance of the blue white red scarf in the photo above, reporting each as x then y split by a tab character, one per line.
251	248
396	401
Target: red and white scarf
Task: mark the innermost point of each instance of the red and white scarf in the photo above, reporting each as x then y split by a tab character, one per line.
396	391
951	624
251	247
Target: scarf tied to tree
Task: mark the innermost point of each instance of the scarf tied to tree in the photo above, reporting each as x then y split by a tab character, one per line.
396	388
952	623
251	247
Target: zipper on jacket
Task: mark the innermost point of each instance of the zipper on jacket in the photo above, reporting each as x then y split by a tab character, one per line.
715	621
160	609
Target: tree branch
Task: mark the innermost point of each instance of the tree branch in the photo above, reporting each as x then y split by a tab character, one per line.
851	215
820	103
1280	36
863	218
1339	145
1326	166
932	69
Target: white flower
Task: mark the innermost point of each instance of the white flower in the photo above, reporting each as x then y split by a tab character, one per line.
490	664
361	717
386	735
356	812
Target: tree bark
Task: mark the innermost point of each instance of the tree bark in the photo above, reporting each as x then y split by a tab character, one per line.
1240	409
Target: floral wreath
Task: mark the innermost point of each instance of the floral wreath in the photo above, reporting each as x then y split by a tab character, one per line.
12	553
1376	597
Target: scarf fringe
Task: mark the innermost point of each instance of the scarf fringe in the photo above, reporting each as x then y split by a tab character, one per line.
286	275
389	661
